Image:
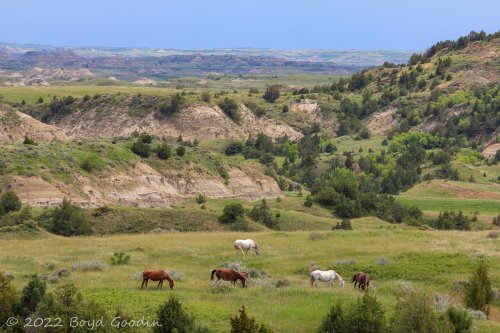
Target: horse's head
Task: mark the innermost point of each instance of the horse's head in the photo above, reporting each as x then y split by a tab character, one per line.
171	284
342	283
257	251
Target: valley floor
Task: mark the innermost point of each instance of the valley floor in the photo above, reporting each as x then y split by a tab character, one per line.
396	256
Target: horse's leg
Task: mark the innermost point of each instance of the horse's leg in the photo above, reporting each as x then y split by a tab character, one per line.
143	281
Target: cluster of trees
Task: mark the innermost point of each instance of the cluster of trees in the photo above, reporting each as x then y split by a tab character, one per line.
9	202
66	220
142	147
230	107
450	220
413	313
234	215
172	106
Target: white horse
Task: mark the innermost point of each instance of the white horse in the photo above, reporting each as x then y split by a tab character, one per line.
325	276
245	245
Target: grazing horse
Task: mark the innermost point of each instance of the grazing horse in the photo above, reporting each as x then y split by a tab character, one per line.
362	279
245	246
228	275
325	276
157	275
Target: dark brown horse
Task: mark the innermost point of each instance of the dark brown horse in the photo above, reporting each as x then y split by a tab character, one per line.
228	275
157	275
362	279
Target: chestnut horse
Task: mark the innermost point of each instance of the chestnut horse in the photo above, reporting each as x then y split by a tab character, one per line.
228	275
157	275
362	280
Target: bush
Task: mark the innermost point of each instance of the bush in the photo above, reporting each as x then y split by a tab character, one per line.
8	300
68	220
242	323
180	151
120	258
172	106
496	220
234	148
334	322
206	97
31	295
478	293
200	199
174	318
28	141
451	221
164	151
10	202
230	108
285	109
309	201
232	212
314	236
415	313
460	319
140	148
272	94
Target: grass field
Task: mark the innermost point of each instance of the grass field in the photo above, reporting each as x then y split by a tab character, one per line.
429	260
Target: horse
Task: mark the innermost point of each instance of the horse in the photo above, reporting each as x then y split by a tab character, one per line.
228	275
325	276
246	245
362	279
156	275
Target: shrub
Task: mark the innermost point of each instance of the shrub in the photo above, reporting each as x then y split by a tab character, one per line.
206	97
68	220
367	315
200	199
174	318
180	151
345	224
262	213
28	141
460	319
164	151
285	109
10	202
8	300
230	108
281	283
415	313
496	220
314	236
31	295
140	148
272	94
120	258
232	212
172	106
89	266
234	148
309	201
451	220
383	261
51	265
334	321
478	293
242	323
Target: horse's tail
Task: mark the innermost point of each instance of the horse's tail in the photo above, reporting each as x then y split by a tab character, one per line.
311	280
212	275
354	278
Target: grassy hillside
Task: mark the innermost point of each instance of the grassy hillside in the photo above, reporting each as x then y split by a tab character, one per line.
428	260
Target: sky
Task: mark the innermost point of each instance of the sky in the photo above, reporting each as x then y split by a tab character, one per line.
292	24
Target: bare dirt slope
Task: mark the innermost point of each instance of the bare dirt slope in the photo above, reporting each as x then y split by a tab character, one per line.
382	122
15	125
200	122
142	186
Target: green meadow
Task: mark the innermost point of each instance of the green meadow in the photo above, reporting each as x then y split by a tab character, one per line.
432	261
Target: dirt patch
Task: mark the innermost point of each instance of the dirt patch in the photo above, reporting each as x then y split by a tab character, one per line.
145	82
460	191
491	150
382	122
308	107
196	122
15	125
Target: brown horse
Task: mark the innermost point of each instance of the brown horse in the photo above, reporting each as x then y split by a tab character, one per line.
362	279
157	275
228	275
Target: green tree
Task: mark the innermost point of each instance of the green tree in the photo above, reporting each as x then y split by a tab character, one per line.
232	213
180	151
272	93
478	293
334	322
242	323
68	220
164	151
8	300
206	97
32	294
173	318
460	319
10	202
308	202
415	313
140	148
173	106
367	316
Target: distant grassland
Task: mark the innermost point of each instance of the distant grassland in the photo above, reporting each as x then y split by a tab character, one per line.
430	260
